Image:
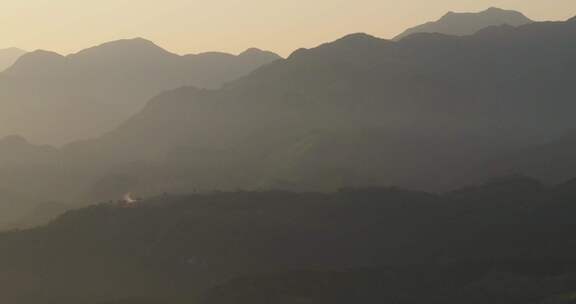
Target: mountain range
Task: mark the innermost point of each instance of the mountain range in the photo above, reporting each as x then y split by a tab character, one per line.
363	109
423	112
104	85
9	56
257	179
461	24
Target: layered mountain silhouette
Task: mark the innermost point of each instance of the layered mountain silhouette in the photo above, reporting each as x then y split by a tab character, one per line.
9	56
357	111
461	24
104	85
377	111
256	179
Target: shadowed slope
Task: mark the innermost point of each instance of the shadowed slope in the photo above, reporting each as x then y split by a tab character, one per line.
505	242
468	97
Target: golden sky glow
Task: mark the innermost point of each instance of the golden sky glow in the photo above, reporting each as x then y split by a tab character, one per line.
191	26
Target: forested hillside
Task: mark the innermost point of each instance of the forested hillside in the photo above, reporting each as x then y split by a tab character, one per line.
507	241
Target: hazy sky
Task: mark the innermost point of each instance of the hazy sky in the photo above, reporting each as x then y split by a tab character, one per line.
191	26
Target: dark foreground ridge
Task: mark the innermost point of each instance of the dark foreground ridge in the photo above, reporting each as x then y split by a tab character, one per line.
508	241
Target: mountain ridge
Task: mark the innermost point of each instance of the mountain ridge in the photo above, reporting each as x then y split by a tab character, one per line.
9	56
354	67
124	48
297	123
105	85
461	24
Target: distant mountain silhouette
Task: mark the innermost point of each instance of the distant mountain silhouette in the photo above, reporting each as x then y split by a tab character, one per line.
9	56
104	85
15	150
461	24
359	111
422	94
337	121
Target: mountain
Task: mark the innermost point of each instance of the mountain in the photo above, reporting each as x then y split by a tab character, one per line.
411	113
418	113
9	56
104	85
509	242
552	162
15	151
461	24
20	160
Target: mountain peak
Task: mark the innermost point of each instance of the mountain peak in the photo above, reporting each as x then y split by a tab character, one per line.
510	17
358	37
358	40
29	61
123	47
252	51
462	24
256	52
42	54
350	47
131	42
489	11
494	9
